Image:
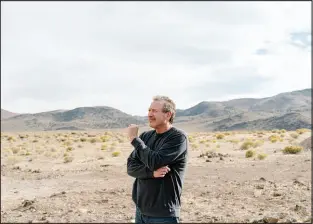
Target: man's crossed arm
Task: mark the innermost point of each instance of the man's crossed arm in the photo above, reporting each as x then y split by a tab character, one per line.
138	169
143	162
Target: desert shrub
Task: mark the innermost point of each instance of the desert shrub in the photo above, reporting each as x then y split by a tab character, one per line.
104	147
246	145
262	156
220	136
83	139
218	146
120	140
116	153
282	135
113	144
292	149
35	140
214	141
202	141
191	139
194	146
27	153
250	153
53	150
294	135
80	146
207	145
15	150
234	141
258	143
68	159
22	136
105	138
273	138
68	149
227	133
283	131
93	140
302	130
23	152
275	131
68	143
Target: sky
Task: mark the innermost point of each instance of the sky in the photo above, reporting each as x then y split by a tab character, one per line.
64	55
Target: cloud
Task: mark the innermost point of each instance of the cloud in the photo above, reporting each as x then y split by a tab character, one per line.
62	55
261	51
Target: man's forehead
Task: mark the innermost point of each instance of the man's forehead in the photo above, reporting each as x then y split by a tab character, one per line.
157	104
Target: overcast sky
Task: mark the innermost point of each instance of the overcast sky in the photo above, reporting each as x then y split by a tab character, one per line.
63	55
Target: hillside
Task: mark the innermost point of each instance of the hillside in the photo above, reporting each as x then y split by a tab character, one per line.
7	114
77	119
290	121
289	111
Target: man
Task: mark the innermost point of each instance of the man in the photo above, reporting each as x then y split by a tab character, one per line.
158	163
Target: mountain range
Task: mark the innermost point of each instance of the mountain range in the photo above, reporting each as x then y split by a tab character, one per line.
289	110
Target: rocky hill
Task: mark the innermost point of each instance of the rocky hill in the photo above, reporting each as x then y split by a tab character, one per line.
81	118
288	111
7	114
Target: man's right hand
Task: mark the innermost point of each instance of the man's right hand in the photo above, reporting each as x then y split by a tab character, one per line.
161	172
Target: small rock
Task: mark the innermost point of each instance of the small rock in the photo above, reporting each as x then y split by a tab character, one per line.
270	220
259	186
221	158
297	208
83	210
208	160
291	220
262	179
277	194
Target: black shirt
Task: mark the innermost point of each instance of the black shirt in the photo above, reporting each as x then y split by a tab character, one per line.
158	197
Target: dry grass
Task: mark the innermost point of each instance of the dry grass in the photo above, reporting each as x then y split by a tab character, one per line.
292	149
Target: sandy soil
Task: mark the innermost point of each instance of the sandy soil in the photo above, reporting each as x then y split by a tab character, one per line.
87	184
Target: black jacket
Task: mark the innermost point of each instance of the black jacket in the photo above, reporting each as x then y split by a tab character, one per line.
158	197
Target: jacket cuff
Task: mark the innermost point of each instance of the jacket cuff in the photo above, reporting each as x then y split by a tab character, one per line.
137	142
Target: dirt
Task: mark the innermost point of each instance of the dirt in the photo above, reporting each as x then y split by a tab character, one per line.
221	184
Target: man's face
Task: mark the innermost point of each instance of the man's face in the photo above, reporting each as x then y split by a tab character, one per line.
156	116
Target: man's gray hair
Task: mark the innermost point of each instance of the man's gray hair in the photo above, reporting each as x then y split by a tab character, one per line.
169	106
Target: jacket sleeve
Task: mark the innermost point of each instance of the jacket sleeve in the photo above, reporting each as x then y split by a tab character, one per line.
136	168
167	154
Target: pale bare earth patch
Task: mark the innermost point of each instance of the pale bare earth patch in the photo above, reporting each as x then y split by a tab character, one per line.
81	177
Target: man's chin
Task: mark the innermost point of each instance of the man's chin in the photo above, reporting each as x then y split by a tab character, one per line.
151	125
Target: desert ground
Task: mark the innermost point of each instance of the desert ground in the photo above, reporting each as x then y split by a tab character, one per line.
80	176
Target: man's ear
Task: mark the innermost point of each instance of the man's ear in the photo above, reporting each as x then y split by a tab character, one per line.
169	114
